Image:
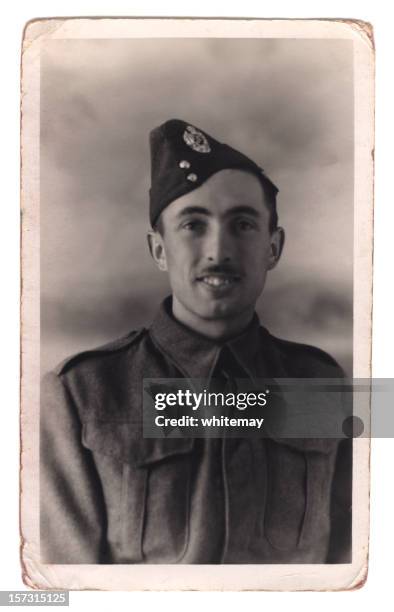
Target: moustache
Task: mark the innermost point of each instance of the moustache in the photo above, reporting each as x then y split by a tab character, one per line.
223	269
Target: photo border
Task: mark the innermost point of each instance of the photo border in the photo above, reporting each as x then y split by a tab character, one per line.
182	577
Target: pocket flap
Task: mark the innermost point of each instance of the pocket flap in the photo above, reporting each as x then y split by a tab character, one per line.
305	445
151	450
306	420
124	441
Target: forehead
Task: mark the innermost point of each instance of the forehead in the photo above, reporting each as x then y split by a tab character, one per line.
222	191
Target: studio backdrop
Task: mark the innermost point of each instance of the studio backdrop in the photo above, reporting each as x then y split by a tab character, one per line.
286	103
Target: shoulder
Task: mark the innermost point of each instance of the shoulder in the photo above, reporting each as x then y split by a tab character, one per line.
101	355
305	360
99	383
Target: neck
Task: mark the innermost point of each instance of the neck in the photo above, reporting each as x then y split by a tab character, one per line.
215	329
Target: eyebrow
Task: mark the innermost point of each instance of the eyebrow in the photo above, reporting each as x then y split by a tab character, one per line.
235	210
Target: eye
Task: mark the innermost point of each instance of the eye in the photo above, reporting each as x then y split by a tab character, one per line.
193	225
245	225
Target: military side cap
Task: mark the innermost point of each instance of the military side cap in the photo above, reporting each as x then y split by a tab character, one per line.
183	157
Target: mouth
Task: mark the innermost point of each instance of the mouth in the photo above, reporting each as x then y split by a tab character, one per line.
219	281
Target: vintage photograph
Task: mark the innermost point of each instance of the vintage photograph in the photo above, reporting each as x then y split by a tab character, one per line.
197	215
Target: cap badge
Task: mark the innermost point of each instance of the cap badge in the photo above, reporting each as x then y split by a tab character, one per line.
196	140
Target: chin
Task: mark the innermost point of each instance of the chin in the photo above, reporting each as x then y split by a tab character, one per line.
220	310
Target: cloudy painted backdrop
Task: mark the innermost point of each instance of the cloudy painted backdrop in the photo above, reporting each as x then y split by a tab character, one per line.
288	104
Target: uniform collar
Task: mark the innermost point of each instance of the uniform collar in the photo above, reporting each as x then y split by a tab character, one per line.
195	355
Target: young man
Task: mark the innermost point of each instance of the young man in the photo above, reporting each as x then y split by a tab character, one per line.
109	495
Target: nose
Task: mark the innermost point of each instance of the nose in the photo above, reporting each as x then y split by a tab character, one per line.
219	247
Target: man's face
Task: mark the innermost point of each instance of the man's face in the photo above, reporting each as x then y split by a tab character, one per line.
216	246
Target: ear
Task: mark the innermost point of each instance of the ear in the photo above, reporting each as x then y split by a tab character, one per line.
157	251
277	241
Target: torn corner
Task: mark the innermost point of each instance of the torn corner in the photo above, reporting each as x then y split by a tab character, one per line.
35	575
363	28
39	28
33	572
360	579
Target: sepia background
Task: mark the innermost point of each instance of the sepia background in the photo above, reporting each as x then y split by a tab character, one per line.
288	104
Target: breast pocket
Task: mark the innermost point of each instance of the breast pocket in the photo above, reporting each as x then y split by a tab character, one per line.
168	471
146	486
299	476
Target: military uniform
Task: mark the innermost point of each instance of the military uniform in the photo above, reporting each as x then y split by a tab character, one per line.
108	495
111	495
